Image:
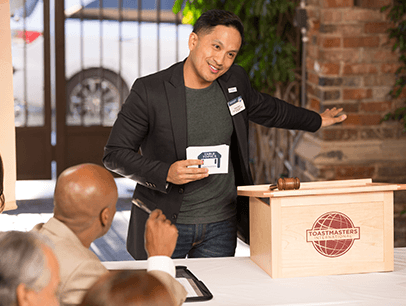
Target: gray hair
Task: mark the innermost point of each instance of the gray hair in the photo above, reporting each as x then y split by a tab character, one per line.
22	261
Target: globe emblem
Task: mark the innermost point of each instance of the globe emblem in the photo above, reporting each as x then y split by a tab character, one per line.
336	234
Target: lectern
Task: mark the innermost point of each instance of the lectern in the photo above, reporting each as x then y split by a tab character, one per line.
323	228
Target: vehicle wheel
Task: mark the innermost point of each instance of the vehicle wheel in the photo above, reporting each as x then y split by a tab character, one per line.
91	90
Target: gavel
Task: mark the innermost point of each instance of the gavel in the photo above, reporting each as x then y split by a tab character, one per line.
289	183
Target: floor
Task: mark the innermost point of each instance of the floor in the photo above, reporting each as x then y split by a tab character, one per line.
35	205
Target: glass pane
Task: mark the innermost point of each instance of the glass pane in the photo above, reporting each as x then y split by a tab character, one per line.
103	60
27	28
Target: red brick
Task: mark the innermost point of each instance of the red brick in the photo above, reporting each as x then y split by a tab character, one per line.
352	107
331	42
331	16
352	119
327	173
310	89
375	3
371	119
354	172
330	69
375	106
361	42
387	42
381	93
402	94
352	81
315	104
362	119
313	51
316	25
345	55
312	35
357	94
309	64
360	15
313	13
377	27
338	3
339	134
375	132
379	55
313	78
351	29
390	68
360	69
371	80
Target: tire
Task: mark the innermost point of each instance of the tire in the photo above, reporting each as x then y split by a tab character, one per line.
86	92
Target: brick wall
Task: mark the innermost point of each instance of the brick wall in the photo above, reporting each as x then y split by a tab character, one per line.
350	64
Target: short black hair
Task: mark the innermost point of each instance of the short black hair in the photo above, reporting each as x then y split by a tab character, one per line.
212	18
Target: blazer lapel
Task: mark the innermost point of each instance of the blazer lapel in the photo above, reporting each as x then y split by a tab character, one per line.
240	127
176	99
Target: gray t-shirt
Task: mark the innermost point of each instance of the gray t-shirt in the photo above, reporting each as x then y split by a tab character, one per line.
209	123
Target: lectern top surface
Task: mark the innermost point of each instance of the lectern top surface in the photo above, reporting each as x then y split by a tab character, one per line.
319	188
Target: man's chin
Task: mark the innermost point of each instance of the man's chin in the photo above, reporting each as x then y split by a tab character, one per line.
214	76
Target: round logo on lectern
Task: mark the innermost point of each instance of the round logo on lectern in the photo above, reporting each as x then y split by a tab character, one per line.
333	234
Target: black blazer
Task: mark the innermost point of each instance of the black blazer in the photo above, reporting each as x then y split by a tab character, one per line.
150	134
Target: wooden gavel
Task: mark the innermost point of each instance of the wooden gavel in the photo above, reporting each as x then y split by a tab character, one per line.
289	183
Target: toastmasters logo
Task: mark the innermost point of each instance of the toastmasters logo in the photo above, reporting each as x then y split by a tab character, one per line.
333	234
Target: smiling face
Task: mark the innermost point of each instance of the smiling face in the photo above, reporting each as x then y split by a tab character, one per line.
211	55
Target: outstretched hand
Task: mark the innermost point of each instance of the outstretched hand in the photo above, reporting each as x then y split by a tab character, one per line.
160	235
329	117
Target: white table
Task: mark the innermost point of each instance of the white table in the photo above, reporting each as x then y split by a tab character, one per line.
239	281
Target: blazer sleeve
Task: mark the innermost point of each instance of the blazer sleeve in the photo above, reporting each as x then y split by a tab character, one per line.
269	111
79	281
129	132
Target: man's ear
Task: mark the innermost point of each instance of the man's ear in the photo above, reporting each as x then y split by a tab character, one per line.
105	216
193	38
24	296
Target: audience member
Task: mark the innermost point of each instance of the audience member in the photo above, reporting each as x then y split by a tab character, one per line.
128	288
84	206
2	199
29	271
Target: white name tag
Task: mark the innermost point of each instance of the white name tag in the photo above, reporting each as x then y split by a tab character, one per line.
232	89
236	105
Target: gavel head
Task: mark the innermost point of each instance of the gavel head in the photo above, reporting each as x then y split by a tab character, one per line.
289	183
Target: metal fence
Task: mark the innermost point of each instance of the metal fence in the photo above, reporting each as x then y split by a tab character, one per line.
74	63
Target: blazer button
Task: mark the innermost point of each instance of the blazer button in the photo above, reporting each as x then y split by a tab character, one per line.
174	216
181	190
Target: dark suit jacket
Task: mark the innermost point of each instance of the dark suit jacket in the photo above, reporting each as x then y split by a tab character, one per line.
153	119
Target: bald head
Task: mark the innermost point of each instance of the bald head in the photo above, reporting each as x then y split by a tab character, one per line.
125	287
82	194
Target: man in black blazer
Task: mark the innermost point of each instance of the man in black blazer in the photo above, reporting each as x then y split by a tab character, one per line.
205	100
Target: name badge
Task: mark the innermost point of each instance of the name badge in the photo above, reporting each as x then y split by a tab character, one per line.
232	89
236	105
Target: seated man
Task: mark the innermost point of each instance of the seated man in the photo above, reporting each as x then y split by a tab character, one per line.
130	288
84	206
29	271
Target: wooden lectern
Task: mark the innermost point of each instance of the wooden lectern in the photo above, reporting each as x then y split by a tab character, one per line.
323	228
